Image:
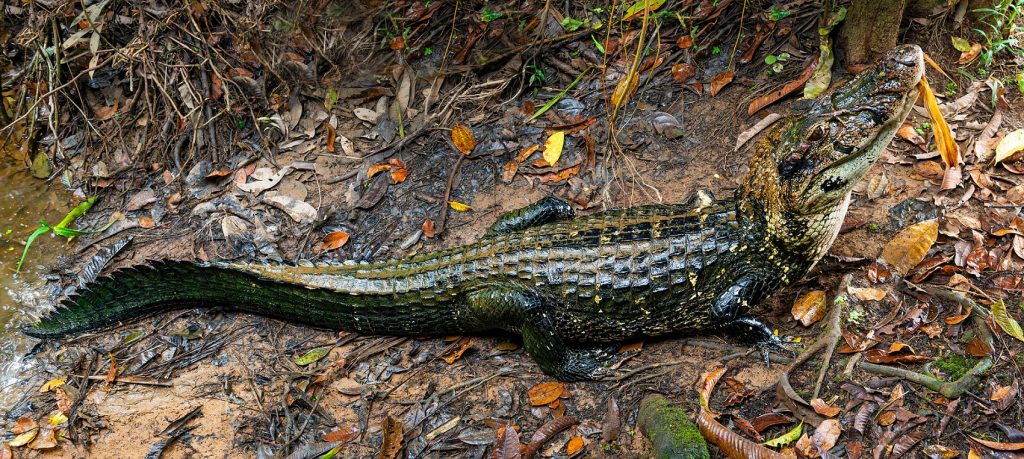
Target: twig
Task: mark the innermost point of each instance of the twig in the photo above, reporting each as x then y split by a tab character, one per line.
442	217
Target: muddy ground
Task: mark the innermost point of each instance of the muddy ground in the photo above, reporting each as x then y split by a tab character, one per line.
188	199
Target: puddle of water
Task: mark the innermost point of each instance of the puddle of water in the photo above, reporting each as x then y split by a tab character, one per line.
24	200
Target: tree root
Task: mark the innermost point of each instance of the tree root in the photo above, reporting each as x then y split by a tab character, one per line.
950	390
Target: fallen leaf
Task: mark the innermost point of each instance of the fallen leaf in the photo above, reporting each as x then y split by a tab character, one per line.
785	90
910	246
334	240
1010	145
867	293
463	345
509	171
376	169
506	444
1006	321
344	433
23	438
545	393
313	355
823	408
105	113
394	433
575	445
463	139
46	439
908	133
52	384
960	44
682	72
885	356
640	7
970	55
625	88
826	435
332	136
428	228
141	199
459	207
684	42
553	147
300	211
810	307
786	438
398	170
1000	446
720	81
943	136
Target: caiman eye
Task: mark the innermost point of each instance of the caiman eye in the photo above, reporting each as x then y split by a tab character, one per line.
817	134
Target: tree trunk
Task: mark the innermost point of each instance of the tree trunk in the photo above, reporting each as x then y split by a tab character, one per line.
872	28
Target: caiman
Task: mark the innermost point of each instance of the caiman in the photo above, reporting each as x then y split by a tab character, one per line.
572	286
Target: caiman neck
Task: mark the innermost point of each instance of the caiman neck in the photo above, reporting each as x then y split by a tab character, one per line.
760	201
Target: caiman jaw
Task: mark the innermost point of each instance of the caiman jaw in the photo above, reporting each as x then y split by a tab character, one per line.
804	168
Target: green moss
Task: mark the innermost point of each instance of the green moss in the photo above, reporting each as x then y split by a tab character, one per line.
670	430
955	365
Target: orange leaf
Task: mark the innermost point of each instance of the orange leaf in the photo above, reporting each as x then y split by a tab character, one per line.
970	55
785	90
376	169
428	228
943	137
574	446
625	89
721	80
105	113
463	345
344	433
334	240
823	408
332	135
684	42
545	393
463	139
112	373
398	170
810	307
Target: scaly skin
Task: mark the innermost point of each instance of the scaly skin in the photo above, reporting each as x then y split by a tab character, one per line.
573	287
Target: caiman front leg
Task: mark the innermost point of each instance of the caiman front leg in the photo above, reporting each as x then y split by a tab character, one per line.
730	309
520	309
547	210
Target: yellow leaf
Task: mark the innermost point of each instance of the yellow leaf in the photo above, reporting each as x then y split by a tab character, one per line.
910	246
1010	145
52	384
943	137
57	418
24	438
459	207
625	89
463	139
1005	321
574	446
553	147
641	6
786	438
809	308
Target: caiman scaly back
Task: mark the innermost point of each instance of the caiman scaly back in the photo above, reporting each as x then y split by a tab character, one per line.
573	286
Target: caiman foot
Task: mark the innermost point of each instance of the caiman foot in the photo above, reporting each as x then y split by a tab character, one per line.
570	363
750	329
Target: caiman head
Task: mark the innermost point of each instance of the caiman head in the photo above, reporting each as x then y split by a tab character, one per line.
804	168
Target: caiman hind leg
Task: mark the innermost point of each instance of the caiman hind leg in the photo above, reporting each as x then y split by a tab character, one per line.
547	210
522	310
730	309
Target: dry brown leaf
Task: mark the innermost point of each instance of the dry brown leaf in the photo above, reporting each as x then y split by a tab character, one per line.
682	72
910	246
393	432
428	228
970	55
1000	446
334	240
823	408
810	307
332	136
1009	145
344	433
720	81
545	393
509	171
684	41
506	444
105	113
785	90
463	345
908	133
867	293
463	139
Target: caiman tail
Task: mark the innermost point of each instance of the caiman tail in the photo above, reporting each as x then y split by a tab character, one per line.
350	302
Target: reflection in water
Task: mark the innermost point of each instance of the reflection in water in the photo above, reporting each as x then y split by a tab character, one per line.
24	200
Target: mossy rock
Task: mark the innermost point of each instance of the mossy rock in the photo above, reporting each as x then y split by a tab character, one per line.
672	433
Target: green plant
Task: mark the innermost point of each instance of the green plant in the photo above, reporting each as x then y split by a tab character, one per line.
999	30
60	229
776	13
488	15
536	75
951	89
715	50
776	63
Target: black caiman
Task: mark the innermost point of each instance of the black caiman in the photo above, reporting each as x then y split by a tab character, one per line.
572	286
